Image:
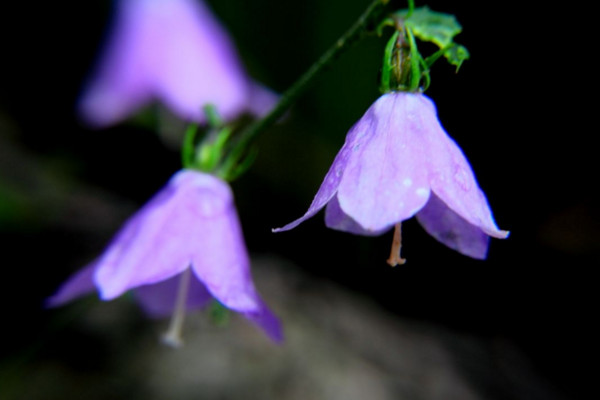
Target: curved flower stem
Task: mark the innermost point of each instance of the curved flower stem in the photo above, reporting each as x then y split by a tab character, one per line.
248	136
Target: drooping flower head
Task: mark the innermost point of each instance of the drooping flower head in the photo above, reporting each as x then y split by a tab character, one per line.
398	162
174	51
187	235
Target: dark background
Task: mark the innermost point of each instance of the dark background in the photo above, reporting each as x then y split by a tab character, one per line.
524	134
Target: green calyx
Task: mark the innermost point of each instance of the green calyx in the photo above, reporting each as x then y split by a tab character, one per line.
404	68
211	153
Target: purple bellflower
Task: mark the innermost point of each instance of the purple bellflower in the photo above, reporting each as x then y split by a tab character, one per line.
179	251
397	162
174	51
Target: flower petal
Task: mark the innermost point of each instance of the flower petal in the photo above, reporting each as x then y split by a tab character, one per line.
121	82
159	241
384	181
173	50
262	99
451	177
197	63
158	300
331	182
267	321
79	284
452	230
219	258
335	218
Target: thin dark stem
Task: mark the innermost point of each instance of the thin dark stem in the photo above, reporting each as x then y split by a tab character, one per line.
289	97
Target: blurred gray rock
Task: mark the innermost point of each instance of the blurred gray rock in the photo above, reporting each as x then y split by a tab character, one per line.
338	345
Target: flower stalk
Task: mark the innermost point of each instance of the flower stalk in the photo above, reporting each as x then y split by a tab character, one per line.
251	134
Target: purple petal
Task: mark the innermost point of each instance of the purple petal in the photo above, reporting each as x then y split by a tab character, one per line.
262	100
219	257
80	284
158	300
332	180
160	240
335	218
450	175
267	321
384	181
172	50
452	230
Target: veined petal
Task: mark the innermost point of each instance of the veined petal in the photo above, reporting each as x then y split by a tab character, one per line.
336	218
450	175
332	180
190	223
158	300
452	230
384	181
80	284
220	259
159	241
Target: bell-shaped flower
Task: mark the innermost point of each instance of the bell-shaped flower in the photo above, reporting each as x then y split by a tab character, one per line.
398	162
173	51
179	251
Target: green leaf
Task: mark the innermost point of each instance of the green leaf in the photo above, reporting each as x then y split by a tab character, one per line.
432	26
456	55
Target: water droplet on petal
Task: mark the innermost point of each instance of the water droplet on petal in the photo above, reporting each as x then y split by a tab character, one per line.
422	192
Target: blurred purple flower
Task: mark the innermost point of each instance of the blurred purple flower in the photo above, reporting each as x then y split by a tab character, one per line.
174	51
190	224
398	161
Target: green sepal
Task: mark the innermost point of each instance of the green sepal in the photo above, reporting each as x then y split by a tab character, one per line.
383	24
232	172
415	63
212	116
211	151
388	64
188	150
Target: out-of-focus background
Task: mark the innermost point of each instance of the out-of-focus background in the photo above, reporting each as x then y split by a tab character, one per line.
443	326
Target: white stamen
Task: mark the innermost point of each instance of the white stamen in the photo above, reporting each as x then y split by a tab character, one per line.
173	335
